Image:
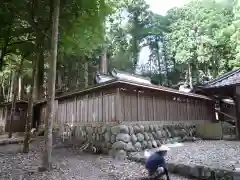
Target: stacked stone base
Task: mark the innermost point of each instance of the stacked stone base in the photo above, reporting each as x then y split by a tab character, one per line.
123	139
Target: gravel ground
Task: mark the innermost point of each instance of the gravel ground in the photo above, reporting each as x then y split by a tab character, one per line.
215	154
69	165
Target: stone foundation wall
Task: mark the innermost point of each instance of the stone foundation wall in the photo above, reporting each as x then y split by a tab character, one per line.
125	138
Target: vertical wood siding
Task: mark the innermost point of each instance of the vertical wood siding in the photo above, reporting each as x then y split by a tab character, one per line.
130	105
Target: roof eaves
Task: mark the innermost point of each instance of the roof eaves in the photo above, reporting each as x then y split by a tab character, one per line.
115	81
222	77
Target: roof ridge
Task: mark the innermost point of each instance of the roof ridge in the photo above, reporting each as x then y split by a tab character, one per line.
131	74
222	77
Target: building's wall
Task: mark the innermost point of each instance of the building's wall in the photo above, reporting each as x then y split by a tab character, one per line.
146	106
3	113
95	107
19	118
151	117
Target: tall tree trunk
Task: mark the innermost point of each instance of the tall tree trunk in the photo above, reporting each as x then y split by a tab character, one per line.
59	80
19	87
77	75
35	81
103	57
40	74
39	66
12	86
136	51
165	61
14	99
86	74
4	93
29	117
9	84
2	89
103	61
190	79
159	65
47	154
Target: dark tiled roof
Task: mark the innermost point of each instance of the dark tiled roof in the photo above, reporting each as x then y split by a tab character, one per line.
230	78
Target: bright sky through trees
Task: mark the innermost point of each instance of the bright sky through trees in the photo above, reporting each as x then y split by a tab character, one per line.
160	7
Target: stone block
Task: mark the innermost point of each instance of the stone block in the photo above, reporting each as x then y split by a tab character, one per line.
134	138
130	147
146	136
140	137
119	145
137	129
123	137
138	146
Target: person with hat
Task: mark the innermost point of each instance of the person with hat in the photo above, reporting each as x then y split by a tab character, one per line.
156	164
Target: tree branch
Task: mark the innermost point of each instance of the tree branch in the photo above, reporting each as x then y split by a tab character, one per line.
19	42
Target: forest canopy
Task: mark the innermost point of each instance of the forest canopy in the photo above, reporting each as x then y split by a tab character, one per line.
189	45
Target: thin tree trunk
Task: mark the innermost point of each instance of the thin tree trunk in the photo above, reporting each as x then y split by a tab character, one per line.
159	67
59	80
190	80
30	109
47	154
103	62
77	74
9	84
12	86
40	74
15	90
103	57
19	87
166	61
86	74
4	93
35	80
13	108
2	89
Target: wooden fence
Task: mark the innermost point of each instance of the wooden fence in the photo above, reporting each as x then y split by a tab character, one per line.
127	102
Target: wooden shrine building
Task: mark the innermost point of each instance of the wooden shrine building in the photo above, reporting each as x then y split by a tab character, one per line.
226	91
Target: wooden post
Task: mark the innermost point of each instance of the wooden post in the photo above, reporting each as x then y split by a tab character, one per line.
220	115
118	106
237	102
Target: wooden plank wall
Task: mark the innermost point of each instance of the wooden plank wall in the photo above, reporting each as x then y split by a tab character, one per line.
3	116
84	109
144	107
130	105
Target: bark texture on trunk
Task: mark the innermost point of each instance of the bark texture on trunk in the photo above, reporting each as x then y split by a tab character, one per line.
190	79
47	154
103	62
11	86
19	87
14	95
86	74
29	117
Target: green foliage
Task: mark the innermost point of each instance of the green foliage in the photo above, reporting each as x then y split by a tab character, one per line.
190	44
198	41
